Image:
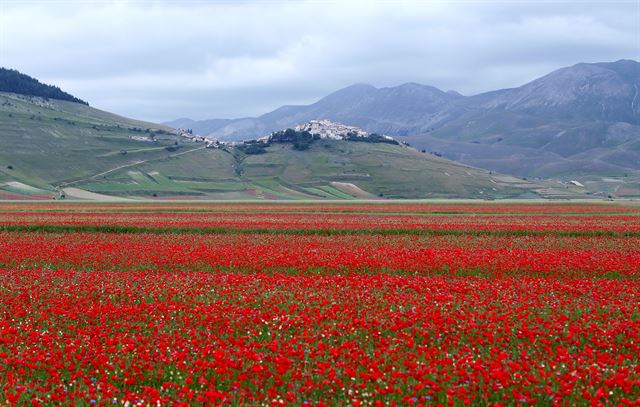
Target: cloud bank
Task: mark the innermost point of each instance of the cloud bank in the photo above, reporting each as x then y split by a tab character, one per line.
159	60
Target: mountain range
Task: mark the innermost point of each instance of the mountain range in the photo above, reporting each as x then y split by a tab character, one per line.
579	122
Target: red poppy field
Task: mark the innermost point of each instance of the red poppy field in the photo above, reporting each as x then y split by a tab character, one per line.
319	304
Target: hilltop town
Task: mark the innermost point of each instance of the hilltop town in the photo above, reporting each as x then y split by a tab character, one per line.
314	129
327	129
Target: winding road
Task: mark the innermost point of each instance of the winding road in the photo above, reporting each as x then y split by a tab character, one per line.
133	164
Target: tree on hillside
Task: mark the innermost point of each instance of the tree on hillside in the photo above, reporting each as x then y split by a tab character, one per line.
16	82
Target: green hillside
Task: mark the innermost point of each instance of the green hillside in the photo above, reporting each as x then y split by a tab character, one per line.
55	148
46	143
12	81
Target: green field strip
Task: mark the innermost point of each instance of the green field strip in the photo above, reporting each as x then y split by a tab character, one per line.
336	192
311	231
319	192
310	212
320	270
271	187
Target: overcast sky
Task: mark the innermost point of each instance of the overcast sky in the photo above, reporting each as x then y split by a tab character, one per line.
160	60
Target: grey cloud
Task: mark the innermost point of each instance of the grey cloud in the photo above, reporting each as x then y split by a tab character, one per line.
159	60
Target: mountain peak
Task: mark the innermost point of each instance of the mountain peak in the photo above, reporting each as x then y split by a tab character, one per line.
412	85
625	67
360	86
621	62
622	67
355	89
587	91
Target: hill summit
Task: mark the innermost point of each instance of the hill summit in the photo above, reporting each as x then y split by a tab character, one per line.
303	135
12	81
327	129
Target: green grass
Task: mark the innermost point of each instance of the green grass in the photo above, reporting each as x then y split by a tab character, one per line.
334	192
50	144
305	231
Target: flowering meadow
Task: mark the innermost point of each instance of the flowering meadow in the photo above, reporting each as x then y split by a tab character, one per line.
319	304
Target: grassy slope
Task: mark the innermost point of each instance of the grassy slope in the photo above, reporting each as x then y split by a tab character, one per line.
381	169
53	144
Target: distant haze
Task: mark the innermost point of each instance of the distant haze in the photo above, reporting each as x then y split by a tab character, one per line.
159	60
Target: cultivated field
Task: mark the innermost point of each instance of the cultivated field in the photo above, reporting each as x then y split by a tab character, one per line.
319	304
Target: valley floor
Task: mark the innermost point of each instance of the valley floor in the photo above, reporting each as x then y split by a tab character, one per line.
307	303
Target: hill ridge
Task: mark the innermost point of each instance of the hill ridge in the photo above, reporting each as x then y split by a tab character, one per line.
13	81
